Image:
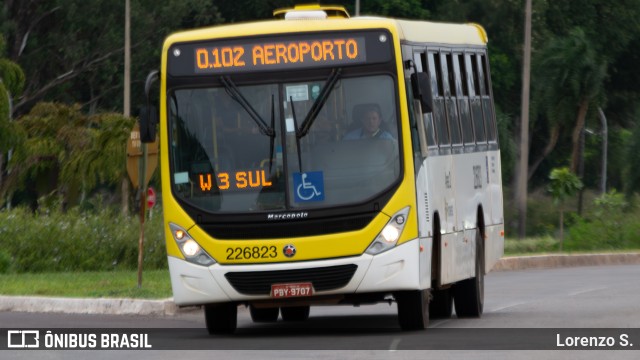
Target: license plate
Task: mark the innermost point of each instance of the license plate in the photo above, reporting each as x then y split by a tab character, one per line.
291	290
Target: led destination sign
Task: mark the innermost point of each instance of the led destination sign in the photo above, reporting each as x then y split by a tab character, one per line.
288	52
291	54
239	180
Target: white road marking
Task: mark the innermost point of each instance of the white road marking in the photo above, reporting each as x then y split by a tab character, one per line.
394	344
586	291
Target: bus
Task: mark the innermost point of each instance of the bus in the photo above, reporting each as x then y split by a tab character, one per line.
322	159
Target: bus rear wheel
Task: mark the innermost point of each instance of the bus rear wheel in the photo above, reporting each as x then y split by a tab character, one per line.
413	309
221	318
263	314
295	313
468	294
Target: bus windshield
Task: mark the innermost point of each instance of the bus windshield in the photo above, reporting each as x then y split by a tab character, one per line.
223	161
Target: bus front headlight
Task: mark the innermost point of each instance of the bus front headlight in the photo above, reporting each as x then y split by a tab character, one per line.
390	234
190	249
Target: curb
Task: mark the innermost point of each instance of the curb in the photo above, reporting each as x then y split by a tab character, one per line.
88	306
553	261
167	307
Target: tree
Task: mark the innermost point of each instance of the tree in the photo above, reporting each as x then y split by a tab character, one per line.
249	10
67	154
52	132
104	162
408	9
605	46
72	57
631	172
570	78
564	184
11	84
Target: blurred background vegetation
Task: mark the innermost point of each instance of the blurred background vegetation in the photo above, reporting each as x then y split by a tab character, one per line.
63	179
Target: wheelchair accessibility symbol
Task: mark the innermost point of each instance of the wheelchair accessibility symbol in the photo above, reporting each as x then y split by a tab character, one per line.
309	186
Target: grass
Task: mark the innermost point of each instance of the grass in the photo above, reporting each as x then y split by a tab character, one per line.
548	245
531	246
107	284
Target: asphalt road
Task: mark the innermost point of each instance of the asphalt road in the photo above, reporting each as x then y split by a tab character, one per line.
515	301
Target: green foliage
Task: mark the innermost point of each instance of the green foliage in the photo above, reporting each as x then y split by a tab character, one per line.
12	76
608	224
567	71
564	184
504	66
410	9
631	170
534	245
51	133
542	217
72	57
543	213
66	153
611	225
10	135
5	262
11	84
508	146
610	25
611	204
51	241
104	160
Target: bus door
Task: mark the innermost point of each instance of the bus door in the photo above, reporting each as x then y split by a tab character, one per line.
440	163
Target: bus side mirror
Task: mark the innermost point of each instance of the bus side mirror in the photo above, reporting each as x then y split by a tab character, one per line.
421	86
149	113
148	123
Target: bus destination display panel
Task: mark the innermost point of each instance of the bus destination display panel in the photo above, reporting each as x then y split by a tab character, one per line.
302	51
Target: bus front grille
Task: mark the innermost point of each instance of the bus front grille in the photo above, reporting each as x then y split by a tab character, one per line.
283	229
323	278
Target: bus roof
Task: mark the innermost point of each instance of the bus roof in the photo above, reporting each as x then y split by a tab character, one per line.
407	30
436	32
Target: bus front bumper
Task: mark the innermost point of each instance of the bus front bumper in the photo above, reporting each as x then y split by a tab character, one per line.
400	268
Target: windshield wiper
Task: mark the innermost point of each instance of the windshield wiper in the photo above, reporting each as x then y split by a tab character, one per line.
236	95
319	103
295	127
313	112
273	137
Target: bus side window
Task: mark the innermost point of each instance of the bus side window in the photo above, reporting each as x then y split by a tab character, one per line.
475	96
487	104
427	118
439	114
449	97
462	93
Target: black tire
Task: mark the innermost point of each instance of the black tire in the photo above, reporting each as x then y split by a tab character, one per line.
295	313
264	314
468	295
221	318
413	309
441	304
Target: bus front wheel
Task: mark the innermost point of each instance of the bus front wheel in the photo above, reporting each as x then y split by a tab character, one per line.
221	318
413	309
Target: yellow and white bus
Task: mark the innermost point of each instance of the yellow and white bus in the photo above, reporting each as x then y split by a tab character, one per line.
318	159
